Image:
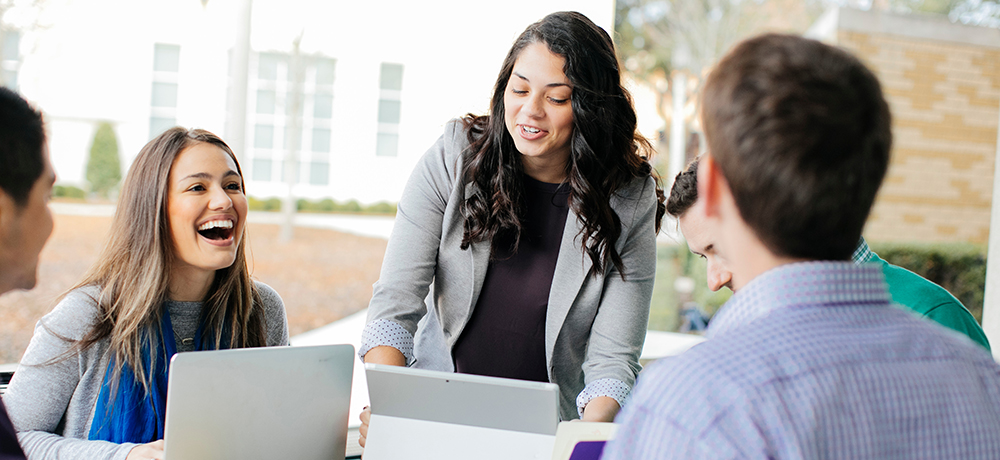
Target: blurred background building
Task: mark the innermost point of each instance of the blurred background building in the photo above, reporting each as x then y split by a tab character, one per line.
378	80
942	81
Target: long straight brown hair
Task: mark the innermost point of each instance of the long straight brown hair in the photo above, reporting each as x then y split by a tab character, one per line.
132	272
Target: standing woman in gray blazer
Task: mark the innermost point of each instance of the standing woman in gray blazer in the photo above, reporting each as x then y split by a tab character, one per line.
533	229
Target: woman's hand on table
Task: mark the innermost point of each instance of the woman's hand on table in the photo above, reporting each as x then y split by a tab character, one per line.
153	450
366	416
601	409
378	355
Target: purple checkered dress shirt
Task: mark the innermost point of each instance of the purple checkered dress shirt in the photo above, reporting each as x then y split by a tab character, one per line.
809	361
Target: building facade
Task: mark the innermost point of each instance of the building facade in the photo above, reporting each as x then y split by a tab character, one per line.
376	82
942	81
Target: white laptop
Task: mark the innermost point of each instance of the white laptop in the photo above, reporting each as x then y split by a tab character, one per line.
259	403
422	414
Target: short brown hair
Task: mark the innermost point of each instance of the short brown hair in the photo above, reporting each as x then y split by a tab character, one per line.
22	137
801	133
684	192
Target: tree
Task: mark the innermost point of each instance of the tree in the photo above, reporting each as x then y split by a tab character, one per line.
104	170
667	45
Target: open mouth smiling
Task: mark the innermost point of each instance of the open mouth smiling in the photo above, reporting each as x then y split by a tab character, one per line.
216	230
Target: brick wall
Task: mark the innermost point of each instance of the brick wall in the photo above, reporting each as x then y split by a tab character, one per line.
945	101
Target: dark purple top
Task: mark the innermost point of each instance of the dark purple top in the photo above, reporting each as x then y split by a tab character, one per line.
505	337
9	448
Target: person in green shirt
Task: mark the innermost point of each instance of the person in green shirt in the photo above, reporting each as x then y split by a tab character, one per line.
907	289
923	296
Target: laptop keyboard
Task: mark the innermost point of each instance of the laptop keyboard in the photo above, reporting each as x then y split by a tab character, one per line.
5	380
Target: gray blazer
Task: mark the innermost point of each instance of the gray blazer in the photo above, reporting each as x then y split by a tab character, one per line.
595	326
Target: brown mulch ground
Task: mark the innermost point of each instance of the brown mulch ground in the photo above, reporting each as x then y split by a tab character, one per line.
322	275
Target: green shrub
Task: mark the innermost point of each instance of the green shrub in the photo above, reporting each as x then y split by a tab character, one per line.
68	191
350	206
959	268
104	170
270	204
324	205
663	313
382	207
673	261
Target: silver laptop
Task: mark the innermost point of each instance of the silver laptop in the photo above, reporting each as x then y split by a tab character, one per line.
419	413
259	403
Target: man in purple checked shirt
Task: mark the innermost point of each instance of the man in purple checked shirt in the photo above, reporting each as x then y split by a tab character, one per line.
808	359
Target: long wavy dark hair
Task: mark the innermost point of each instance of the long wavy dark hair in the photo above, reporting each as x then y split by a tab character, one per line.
606	151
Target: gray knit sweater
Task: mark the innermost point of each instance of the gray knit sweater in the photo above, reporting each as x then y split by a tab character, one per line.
52	405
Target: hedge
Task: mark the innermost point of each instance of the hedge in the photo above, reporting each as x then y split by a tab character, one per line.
958	267
324	205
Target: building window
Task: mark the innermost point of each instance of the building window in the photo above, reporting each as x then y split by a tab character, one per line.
164	94
272	138
321	140
265	101
389	109
261	169
319	173
386	145
263	136
166	58
11	61
323	106
267	66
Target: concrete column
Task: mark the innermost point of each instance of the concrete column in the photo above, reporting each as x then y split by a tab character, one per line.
236	119
677	122
991	301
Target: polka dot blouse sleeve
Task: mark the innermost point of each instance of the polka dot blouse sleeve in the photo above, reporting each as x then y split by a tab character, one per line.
385	332
612	388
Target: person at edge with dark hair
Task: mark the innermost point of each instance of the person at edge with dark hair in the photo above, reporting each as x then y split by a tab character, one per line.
808	359
908	290
171	278
536	224
26	179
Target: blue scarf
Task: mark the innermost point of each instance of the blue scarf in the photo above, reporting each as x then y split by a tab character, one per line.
130	414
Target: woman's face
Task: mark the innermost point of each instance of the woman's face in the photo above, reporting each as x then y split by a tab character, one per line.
538	110
206	208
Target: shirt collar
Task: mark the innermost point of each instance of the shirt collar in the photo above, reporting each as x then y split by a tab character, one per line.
863	253
801	284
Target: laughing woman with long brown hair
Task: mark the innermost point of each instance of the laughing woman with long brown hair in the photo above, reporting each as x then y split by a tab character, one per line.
172	277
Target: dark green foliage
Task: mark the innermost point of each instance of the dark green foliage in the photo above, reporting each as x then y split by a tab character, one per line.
959	268
68	191
104	170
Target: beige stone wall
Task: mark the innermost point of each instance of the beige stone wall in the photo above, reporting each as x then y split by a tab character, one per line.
945	101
